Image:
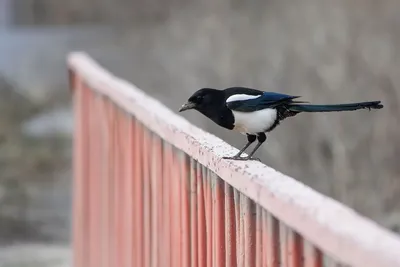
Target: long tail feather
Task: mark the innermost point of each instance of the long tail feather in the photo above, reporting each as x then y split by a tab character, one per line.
337	107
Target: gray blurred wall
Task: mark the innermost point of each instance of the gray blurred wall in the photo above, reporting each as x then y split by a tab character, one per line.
326	51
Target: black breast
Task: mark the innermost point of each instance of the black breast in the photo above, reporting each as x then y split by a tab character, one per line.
221	116
225	119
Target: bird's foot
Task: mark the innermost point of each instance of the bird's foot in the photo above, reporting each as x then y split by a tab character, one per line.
241	158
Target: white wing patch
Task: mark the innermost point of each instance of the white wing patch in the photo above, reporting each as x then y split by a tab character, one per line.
239	97
254	122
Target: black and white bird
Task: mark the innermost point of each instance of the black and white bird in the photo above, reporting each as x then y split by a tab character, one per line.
253	112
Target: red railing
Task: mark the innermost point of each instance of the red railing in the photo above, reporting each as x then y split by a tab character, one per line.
151	190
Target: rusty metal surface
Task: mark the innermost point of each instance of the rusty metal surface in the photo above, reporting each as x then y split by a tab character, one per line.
152	190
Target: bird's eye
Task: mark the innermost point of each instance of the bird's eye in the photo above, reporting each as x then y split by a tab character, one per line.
199	99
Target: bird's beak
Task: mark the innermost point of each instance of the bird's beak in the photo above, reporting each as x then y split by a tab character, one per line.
188	105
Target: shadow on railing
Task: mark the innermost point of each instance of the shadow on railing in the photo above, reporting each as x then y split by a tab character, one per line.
150	189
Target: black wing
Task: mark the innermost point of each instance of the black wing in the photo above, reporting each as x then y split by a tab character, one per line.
263	101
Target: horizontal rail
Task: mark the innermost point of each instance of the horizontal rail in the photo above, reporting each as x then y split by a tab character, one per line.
335	229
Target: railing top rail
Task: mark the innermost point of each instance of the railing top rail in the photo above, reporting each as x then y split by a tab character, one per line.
331	226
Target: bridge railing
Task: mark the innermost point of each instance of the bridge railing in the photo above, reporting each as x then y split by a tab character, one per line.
152	190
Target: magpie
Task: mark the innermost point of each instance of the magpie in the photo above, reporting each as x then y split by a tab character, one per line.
253	112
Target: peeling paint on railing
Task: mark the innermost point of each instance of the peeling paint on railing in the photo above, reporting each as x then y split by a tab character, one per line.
151	189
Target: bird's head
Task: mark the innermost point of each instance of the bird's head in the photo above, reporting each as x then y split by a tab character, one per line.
204	99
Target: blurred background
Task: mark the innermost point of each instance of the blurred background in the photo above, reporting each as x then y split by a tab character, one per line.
326	51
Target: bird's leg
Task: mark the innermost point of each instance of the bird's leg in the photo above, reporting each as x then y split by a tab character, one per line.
250	139
261	137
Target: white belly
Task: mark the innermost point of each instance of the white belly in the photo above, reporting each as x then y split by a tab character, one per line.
254	122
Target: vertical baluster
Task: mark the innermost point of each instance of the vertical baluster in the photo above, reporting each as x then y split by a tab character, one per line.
86	177
266	236
201	217
259	236
271	240
100	143
185	211
295	249
123	181
248	228
167	207
156	189
103	179
174	198
219	219
128	191
96	183
90	179
284	240
236	197
103	182
116	182
111	184
193	214
312	256
138	195
78	165
146	197
213	222
208	209
230	227
239	229
157	167
173	191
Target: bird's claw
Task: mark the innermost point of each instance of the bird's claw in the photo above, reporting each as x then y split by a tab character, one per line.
241	158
